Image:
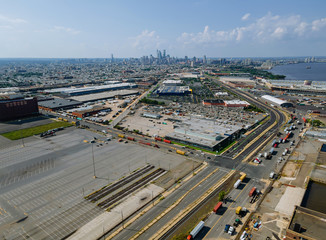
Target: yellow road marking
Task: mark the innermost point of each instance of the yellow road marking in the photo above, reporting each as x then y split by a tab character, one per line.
226	210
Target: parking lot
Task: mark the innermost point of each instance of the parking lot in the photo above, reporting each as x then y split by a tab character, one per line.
48	178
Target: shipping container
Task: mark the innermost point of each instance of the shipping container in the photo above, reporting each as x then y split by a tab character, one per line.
252	192
180	152
166	141
121	136
243	176
217	207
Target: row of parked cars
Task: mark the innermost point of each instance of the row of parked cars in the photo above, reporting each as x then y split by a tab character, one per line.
50	132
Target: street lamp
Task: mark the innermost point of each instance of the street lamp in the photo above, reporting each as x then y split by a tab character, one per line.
93	160
20	131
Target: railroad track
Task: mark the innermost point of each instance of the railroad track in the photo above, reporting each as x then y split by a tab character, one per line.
125	192
111	188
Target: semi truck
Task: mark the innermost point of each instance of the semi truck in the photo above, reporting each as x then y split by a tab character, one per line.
268	155
217	207
240	210
196	230
252	192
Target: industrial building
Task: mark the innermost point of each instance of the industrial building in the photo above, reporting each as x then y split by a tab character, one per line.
213	102
105	95
151	115
236	103
277	101
173	90
58	104
298	87
306	224
205	133
172	82
90	112
91	89
12	108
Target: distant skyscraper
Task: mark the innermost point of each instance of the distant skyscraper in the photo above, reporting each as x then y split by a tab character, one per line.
164	53
204	59
112	59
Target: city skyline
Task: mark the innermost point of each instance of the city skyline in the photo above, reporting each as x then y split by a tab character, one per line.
80	29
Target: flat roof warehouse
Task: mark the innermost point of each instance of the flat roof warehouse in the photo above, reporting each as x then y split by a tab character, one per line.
277	101
91	89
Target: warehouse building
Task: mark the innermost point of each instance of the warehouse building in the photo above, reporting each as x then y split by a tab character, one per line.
277	101
173	90
151	115
15	107
105	95
91	89
236	103
90	112
205	133
172	82
213	102
58	104
306	224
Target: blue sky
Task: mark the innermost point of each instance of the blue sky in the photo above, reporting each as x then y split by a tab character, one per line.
125	28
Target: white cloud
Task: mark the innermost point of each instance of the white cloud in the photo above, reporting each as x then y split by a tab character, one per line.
245	17
7	23
67	30
5	19
265	29
318	24
146	40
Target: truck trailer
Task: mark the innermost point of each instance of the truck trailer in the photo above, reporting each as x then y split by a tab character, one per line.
196	230
217	207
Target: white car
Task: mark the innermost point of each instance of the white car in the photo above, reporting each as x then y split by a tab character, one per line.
231	230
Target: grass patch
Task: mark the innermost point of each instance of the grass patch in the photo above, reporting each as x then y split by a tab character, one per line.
192	147
27	132
227	147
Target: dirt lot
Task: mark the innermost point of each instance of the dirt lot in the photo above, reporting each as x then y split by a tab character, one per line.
299	166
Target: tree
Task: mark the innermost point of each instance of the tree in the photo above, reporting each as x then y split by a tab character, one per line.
221	196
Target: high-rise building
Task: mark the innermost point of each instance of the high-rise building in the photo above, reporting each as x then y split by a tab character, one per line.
204	59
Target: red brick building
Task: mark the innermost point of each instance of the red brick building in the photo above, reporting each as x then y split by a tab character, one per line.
11	109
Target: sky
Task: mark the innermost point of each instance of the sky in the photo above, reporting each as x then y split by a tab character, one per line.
135	28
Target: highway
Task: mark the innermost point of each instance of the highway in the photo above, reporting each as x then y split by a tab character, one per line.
161	206
239	197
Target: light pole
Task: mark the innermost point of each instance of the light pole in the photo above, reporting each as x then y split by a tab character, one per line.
20	131
93	160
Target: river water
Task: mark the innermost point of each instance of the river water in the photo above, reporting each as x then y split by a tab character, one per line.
299	71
